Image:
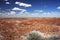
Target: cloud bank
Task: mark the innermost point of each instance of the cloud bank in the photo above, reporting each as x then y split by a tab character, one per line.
25	14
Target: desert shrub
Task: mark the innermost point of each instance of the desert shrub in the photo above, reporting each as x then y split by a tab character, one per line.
34	36
37	36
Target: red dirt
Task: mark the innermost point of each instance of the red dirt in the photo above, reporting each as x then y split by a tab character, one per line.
13	29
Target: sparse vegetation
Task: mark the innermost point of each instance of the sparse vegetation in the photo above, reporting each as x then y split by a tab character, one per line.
37	36
34	36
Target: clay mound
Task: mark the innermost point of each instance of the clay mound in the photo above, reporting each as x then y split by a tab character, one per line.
14	29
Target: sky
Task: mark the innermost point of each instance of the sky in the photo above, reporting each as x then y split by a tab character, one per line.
29	8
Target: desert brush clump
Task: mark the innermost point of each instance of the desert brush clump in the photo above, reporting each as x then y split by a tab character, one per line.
35	35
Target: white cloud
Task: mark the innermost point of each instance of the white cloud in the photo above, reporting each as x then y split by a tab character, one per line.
15	8
17	2
58	7
22	10
23	4
7	2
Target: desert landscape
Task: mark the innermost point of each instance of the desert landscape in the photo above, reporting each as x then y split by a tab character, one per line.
18	28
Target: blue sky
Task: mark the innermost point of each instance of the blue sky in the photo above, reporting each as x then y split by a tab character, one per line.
29	8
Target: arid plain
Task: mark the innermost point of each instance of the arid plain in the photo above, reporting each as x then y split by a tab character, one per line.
17	28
